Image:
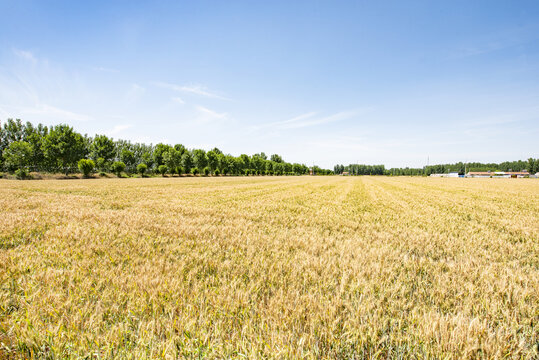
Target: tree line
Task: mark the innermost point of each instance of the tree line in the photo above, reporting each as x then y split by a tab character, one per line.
60	149
531	165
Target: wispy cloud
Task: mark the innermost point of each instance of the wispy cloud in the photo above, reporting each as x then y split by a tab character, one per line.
26	55
118	129
309	119
178	100
208	114
46	110
193	89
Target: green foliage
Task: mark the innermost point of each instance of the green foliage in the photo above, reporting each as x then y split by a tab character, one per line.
172	159
206	171
18	155
101	165
141	169
128	158
86	166
194	171
21	174
187	161
162	169
276	158
103	147
118	167
199	158
533	165
216	172
158	152
65	147
212	160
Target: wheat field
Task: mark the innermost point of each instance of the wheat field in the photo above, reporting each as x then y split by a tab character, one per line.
270	267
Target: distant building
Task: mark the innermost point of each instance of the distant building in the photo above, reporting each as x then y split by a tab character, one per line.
345	173
449	175
498	174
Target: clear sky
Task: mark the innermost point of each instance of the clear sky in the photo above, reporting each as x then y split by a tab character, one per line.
378	82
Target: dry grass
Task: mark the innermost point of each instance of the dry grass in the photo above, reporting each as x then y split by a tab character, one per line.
290	267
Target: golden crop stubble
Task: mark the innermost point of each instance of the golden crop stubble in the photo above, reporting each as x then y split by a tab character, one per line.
316	267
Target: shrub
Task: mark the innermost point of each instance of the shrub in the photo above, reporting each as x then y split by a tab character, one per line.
86	167
162	169
179	170
194	171
118	167
216	172
21	174
206	171
141	169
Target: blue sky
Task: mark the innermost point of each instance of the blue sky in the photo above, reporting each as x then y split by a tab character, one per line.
390	82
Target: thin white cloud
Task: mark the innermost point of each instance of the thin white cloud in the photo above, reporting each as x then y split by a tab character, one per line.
118	129
26	55
178	100
210	114
193	89
308	119
55	112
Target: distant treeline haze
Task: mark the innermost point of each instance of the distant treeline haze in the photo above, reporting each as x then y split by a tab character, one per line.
60	149
531	165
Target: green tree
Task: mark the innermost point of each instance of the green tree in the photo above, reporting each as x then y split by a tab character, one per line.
18	155
172	159
532	165
141	169
212	160
276	158
103	147
101	165
86	167
128	158
118	167
162	169
147	158
200	159
187	161
34	136
245	161
64	147
158	152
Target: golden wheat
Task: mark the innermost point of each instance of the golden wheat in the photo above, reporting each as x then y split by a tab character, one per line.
277	267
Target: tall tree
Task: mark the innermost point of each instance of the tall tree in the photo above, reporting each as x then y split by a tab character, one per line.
276	158
212	160
103	147
200	159
18	155
158	152
65	147
187	161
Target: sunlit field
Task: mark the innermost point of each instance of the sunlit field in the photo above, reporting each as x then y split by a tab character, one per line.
270	267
